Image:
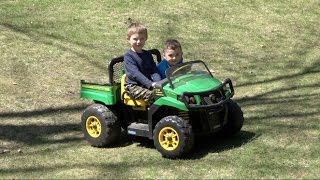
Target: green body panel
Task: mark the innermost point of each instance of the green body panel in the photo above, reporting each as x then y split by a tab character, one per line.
194	83
169	101
198	83
107	94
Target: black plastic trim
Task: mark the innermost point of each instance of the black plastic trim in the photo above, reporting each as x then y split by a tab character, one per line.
197	106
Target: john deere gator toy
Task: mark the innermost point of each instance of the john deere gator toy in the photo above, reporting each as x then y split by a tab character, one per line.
189	102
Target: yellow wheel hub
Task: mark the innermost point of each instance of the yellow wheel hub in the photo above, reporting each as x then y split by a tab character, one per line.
93	126
168	138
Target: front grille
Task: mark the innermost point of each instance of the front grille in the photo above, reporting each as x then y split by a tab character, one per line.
209	99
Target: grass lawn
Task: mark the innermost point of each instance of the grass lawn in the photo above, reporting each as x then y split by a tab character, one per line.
270	49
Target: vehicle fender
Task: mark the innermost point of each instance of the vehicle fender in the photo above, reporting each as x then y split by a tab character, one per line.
169	101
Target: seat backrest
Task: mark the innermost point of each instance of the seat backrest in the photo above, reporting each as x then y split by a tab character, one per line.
116	66
123	80
156	55
116	70
137	104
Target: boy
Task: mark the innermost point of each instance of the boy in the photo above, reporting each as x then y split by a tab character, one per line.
172	53
140	68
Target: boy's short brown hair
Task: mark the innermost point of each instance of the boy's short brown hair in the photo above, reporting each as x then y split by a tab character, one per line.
172	44
137	28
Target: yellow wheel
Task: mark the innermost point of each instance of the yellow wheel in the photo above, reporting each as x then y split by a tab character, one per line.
168	138
173	137
100	126
93	126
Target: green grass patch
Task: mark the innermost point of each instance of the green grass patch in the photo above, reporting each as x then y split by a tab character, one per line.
270	49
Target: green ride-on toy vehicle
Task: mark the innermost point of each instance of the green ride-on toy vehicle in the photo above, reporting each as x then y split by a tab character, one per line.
189	102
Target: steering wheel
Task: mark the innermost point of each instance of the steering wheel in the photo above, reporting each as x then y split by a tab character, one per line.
182	67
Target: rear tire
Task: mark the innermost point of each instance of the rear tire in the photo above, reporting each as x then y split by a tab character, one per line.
235	119
100	126
173	137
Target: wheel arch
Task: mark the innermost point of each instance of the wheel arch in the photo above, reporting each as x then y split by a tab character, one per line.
100	120
156	113
177	139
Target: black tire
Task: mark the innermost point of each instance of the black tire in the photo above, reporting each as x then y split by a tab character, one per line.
235	119
100	126
173	137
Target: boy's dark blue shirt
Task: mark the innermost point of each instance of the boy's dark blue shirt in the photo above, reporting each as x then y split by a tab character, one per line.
140	69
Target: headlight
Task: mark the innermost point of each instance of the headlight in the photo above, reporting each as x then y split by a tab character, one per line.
189	100
212	97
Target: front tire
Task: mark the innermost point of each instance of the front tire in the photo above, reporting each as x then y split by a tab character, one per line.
100	126
173	137
235	119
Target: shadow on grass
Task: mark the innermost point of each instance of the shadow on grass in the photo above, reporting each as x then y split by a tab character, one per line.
43	112
216	143
213	144
208	144
48	39
115	170
143	142
35	134
280	103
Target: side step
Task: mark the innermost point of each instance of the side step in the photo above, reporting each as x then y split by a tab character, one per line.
138	129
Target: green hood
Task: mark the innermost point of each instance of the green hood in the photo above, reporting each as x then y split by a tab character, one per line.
195	83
